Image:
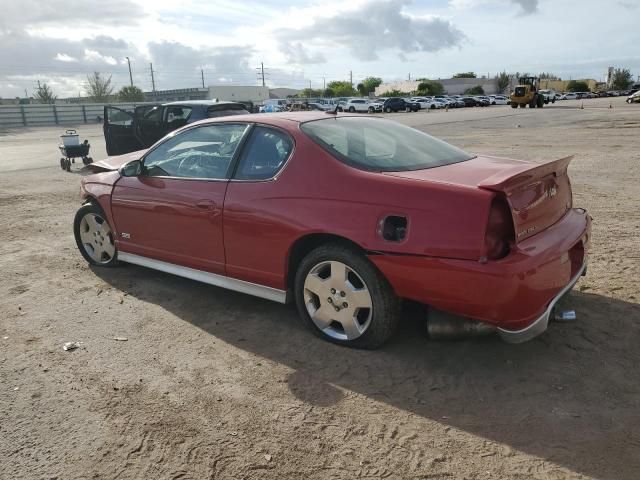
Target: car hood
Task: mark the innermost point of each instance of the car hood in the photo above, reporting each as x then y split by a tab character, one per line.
115	162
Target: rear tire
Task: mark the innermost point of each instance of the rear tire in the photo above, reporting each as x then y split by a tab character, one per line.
334	275
514	105
387	110
352	109
67	165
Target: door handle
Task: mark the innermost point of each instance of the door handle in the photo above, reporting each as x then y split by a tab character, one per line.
206	205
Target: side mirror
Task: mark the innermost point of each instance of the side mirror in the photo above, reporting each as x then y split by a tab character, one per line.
131	169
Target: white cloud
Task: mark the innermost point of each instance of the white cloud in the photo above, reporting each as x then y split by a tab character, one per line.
376	26
63	57
95	56
527	7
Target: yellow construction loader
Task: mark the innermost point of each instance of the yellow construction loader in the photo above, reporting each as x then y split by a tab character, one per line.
527	93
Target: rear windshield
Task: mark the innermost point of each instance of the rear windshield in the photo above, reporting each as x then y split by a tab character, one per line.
381	145
225	110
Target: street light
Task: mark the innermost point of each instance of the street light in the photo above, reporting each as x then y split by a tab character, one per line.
130	76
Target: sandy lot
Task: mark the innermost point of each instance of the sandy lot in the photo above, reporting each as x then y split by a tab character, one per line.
218	385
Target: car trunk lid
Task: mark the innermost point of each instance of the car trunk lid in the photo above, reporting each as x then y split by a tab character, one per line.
538	194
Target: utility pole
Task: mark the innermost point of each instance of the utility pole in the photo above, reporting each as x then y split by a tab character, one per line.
130	76
409	77
202	75
309	95
153	80
351	77
262	72
38	85
324	85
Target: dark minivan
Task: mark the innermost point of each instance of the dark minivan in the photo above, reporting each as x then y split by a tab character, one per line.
128	131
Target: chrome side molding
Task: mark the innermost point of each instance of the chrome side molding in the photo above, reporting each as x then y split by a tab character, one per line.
229	283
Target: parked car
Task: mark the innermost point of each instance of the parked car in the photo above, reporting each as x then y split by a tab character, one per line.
271	108
426	103
470	102
499	100
127	131
443	103
397	104
344	223
550	96
485	99
361	105
413	103
322	107
450	101
569	96
633	98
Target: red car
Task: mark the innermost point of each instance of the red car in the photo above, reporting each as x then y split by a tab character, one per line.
345	215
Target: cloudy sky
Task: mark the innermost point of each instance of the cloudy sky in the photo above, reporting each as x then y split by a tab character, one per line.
60	41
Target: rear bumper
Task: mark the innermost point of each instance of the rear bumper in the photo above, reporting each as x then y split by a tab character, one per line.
542	322
513	294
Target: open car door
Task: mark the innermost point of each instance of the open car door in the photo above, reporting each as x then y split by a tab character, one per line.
119	131
150	125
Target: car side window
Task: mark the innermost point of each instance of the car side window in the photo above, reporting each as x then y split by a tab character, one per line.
264	155
177	116
154	115
202	152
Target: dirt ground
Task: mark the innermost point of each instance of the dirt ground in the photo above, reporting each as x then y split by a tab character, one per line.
218	385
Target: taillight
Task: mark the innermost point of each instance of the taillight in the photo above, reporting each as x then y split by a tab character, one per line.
499	235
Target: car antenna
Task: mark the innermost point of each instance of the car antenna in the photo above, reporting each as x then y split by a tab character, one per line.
334	111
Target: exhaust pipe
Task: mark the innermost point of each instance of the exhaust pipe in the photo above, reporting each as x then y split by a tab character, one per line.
445	326
564	315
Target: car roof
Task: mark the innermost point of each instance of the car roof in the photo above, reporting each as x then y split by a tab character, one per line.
278	118
201	102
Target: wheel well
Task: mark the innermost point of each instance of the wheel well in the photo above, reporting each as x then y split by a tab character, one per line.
306	244
90	199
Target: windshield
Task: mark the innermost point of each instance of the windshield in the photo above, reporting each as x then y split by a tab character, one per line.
381	145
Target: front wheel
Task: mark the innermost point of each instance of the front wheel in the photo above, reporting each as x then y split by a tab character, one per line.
514	105
387	110
94	237
343	298
352	109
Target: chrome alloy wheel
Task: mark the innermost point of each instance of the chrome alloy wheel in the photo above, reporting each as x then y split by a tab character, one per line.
97	238
338	300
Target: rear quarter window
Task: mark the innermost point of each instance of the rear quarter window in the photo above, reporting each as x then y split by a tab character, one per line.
381	145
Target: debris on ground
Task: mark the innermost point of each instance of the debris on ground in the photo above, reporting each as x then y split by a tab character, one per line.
120	339
69	346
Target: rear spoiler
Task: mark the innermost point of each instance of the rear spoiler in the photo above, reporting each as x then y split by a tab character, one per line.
519	175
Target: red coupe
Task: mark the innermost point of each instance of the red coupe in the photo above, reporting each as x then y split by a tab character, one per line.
345	215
